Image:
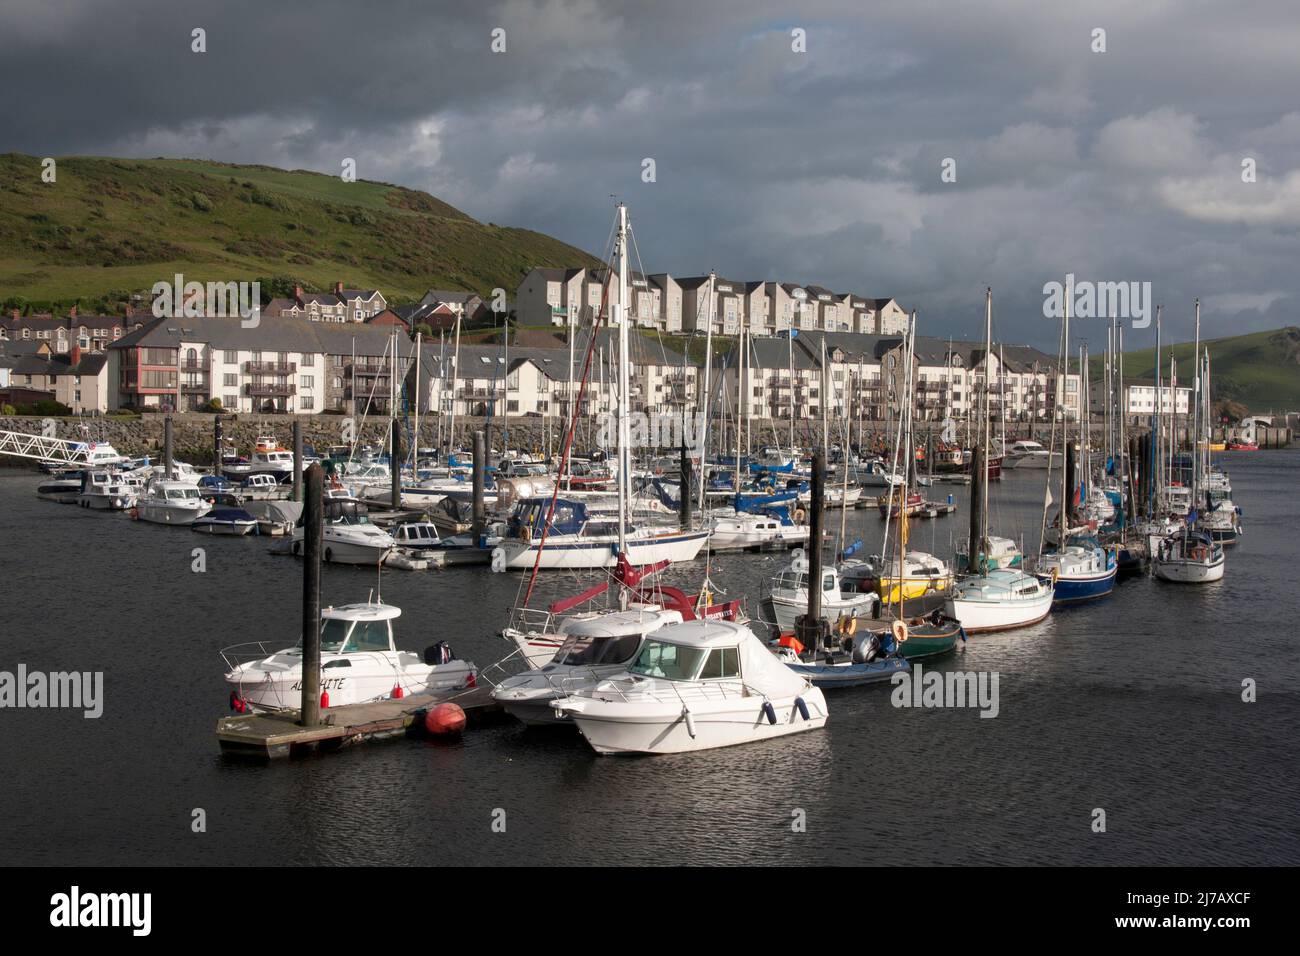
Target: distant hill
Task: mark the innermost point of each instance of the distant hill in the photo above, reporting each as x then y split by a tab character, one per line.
110	227
1260	370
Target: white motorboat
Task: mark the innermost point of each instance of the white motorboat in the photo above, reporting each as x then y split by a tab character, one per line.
586	648
171	501
348	536
1189	557
1222	522
834	496
578	539
743	530
1178	500
999	600
359	662
876	474
99	455
788	594
695	686
1030	454
105	491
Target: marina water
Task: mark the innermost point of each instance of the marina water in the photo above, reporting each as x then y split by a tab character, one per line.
1132	705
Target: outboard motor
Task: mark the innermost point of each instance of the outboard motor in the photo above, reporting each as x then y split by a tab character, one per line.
439	653
866	648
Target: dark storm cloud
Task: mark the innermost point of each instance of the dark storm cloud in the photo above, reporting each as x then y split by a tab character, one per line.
815	167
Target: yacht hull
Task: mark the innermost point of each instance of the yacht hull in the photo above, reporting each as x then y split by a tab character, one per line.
1070	590
981	617
787	610
521	556
1189	572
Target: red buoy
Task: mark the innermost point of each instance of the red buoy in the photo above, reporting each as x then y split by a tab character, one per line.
398	693
471	681
444	719
324	700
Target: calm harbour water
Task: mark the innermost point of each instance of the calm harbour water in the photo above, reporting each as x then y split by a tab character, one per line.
1132	704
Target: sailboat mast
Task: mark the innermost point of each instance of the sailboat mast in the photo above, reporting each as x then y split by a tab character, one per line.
1196	417
1065	418
624	439
708	380
984	440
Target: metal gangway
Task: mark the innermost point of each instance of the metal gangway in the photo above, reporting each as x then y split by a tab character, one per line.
62	451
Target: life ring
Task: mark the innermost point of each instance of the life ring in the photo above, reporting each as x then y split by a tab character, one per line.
800	516
850	625
525	534
1056	572
899	628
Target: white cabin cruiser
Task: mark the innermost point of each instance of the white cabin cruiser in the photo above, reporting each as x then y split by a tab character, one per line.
359	662
788	594
348	537
695	686
1030	454
744	530
593	646
1002	599
63	487
105	491
171	502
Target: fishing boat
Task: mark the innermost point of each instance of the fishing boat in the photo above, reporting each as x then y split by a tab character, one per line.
695	686
348	537
105	491
1082	570
171	501
1189	557
359	660
787	595
226	521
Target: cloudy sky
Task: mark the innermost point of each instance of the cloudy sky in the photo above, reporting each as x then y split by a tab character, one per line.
822	166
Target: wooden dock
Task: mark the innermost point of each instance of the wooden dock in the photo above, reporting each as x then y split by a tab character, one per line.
268	736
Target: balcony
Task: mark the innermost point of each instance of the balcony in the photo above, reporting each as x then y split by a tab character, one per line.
194	365
367	368
482	393
195	383
270	368
268	390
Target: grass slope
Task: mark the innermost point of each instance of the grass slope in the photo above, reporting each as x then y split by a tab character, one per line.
110	227
1260	370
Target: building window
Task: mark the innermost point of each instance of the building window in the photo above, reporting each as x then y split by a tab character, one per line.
232	358
230	379
230	401
307	381
306	402
309	359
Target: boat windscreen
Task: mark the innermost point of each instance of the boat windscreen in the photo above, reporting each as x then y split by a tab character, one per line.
669	661
583	650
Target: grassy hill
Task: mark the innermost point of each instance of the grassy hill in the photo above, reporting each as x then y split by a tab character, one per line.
110	227
1260	370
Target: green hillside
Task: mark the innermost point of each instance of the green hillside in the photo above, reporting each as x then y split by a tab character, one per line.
1260	370
110	227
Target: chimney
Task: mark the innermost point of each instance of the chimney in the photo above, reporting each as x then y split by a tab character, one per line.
297	292
75	358
72	312
338	288
130	310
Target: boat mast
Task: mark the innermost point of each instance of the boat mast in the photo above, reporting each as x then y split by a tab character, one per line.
455	373
1153	491
624	453
984	440
1196	417
1065	420
708	381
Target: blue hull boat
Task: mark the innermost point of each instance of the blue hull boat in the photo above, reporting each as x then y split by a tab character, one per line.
848	674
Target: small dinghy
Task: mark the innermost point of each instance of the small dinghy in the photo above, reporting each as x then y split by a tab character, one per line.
852	658
233	521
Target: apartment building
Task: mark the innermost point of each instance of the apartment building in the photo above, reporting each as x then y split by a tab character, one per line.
670	301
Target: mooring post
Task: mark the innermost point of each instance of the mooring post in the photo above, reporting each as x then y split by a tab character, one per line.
312	532
480	472
395	465
686	485
809	627
167	447
297	460
216	444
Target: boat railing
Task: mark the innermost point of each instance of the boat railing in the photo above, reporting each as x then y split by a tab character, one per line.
246	653
532	620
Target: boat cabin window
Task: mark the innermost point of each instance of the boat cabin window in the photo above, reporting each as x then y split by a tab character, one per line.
669	661
580	649
828	581
353	637
721	662
600	527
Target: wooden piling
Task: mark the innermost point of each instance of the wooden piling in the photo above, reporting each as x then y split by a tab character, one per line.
167	448
297	460
312	532
479	512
